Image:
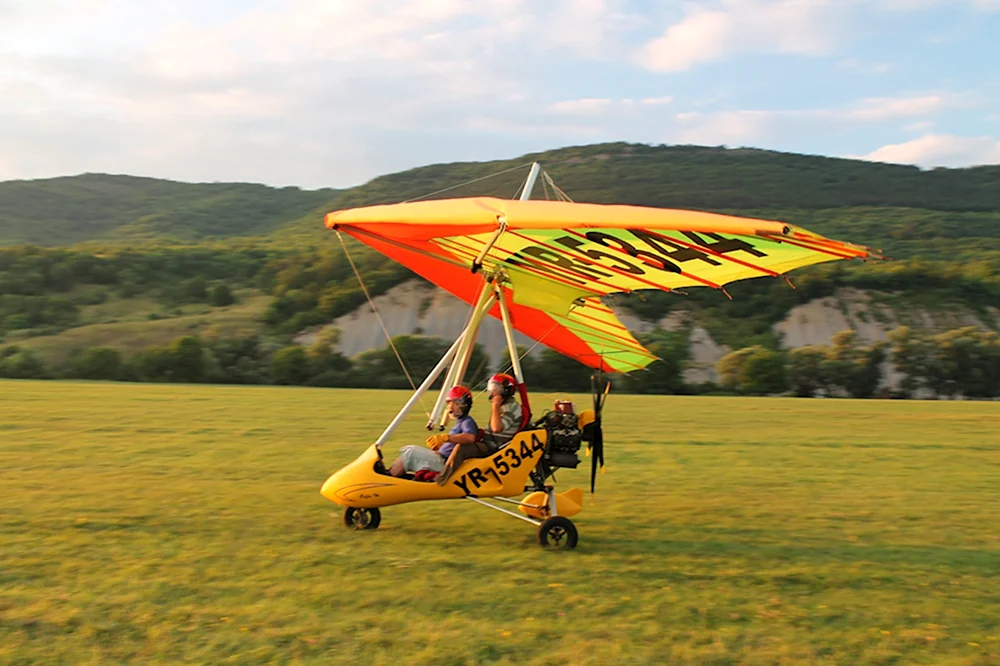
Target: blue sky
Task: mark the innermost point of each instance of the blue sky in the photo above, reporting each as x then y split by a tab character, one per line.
331	93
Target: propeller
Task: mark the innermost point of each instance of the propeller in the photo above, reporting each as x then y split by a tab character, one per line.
600	388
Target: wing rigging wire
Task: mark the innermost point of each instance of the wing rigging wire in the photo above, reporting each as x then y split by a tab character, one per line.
560	195
381	323
371	301
470	182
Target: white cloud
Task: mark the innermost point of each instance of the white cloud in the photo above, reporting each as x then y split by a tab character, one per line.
587	106
713	30
330	92
932	150
918	5
726	128
877	109
808	27
749	126
193	85
603	106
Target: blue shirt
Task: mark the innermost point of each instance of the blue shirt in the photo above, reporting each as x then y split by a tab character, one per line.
465	425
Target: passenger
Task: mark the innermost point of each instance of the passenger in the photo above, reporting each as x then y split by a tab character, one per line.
505	421
440	446
505	412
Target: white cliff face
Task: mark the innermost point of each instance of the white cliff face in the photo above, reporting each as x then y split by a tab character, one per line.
816	322
416	307
705	353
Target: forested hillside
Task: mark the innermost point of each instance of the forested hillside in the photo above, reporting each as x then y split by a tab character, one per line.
146	262
99	207
888	202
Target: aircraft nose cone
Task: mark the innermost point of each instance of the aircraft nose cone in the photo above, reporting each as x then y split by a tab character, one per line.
329	489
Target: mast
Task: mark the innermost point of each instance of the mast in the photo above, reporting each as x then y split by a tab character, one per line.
529	184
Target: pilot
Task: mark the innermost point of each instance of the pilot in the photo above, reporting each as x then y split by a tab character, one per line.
505	421
440	446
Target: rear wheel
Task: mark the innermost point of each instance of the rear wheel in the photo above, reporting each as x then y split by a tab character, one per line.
362	519
557	532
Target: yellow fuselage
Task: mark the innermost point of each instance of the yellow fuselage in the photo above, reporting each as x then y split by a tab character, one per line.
503	474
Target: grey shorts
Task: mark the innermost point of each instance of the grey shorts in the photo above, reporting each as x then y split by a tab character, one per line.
416	458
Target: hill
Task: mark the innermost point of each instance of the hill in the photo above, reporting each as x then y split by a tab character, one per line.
145	262
99	207
902	207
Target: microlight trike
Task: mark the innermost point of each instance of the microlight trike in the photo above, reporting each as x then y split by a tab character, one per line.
543	268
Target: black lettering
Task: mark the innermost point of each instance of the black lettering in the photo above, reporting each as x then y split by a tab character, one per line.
556	259
654	260
476	476
724	245
515	461
494	473
536	443
501	465
674	251
597	255
525	451
462	483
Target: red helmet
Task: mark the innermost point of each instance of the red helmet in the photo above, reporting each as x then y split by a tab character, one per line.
502	384
461	395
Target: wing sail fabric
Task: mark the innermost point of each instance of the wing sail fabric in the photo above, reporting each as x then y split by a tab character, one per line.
561	257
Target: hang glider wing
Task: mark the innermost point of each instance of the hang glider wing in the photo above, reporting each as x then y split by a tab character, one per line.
560	258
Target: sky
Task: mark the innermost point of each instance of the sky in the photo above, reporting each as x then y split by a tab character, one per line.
331	93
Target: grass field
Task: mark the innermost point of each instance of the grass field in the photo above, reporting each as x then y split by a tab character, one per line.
169	524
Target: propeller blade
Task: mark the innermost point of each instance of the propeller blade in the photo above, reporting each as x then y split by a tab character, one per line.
597	455
597	441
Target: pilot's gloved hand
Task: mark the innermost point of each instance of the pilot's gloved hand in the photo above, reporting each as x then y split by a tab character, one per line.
434	442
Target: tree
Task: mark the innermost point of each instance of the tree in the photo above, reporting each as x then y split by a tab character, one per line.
556	372
289	365
188	357
855	371
805	370
763	373
379	368
150	365
908	356
194	289
220	296
328	367
99	363
22	364
236	360
665	375
730	367
961	362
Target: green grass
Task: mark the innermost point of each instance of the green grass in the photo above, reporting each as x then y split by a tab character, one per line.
169	524
132	330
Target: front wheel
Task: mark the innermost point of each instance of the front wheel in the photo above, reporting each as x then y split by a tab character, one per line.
362	519
557	532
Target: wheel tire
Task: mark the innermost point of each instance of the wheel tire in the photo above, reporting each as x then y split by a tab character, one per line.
557	532
362	519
